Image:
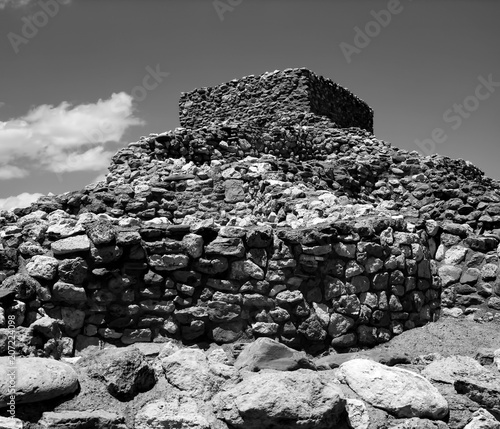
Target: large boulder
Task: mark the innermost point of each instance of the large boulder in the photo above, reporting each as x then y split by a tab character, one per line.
281	400
191	372
265	353
125	371
395	390
35	379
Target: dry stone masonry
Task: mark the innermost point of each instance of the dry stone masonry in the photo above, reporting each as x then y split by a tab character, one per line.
272	212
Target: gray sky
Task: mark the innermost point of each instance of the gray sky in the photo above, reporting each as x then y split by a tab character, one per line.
81	78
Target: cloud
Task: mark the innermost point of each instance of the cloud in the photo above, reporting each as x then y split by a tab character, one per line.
2	104
66	138
21	200
100	178
12	172
22	3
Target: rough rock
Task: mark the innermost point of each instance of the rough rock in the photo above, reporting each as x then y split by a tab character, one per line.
266	353
191	372
180	412
298	399
125	372
448	370
398	391
98	419
36	379
482	419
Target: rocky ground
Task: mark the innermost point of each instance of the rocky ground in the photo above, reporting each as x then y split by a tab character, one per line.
155	385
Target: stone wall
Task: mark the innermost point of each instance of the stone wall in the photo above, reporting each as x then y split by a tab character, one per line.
275	97
342	284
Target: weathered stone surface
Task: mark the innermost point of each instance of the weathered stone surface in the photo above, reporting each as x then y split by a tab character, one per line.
193	244
190	371
265	353
78	243
98	419
339	325
481	388
416	423
43	267
20	286
125	372
242	270
482	419
281	400
449	274
101	232
398	391
177	412
36	379
131	336
73	270
226	247
168	262
69	293
448	370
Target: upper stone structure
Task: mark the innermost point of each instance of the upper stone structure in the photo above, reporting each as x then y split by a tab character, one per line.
272	97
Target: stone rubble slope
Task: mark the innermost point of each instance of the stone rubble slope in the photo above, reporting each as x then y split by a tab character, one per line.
198	388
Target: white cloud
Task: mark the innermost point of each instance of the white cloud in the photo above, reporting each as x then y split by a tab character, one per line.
66	138
100	178
12	172
2	104
21	200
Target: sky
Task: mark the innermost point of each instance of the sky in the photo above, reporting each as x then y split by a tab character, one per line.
80	79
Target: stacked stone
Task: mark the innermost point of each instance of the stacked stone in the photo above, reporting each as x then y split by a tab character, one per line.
268	98
468	268
92	279
256	222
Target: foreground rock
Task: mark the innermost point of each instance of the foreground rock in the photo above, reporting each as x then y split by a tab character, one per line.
36	379
124	371
82	420
448	370
281	400
266	353
176	413
485	390
478	383
481	419
397	391
190	371
10	423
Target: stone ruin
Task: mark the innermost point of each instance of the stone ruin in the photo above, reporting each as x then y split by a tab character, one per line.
272	212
